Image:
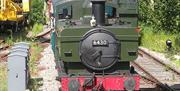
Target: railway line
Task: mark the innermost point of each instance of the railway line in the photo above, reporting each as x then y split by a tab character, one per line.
147	84
3	51
165	77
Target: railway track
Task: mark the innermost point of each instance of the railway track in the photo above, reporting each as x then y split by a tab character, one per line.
45	35
3	51
42	37
147	84
165	77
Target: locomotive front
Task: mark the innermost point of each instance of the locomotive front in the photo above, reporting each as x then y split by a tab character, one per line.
99	49
93	48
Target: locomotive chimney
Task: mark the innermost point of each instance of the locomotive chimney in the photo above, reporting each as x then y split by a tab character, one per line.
98	10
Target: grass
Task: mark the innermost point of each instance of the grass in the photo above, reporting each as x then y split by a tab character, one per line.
177	62
35	55
3	77
37	28
157	42
11	40
11	37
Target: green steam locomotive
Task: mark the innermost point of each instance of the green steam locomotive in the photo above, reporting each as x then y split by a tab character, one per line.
94	42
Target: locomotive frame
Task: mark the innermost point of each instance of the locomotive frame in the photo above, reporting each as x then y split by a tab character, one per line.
72	27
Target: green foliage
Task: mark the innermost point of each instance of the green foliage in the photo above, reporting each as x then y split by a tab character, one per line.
35	84
144	11
9	41
36	15
3	77
161	14
177	41
37	28
157	41
177	62
35	54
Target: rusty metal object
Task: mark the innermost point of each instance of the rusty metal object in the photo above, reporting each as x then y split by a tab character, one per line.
46	32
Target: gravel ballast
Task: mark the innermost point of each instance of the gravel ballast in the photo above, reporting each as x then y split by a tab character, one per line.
161	57
49	73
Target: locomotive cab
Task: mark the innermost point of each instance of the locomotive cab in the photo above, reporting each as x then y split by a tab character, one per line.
98	52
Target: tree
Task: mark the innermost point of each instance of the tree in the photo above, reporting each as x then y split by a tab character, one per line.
36	15
161	14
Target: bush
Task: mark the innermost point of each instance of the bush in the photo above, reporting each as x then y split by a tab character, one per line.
163	15
157	41
177	41
37	28
36	15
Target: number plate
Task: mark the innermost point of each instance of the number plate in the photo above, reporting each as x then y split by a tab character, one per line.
100	43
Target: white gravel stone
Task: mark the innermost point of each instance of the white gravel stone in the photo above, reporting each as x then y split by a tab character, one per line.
49	74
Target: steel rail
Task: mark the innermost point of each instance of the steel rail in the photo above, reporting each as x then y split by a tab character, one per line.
44	33
142	52
157	60
165	87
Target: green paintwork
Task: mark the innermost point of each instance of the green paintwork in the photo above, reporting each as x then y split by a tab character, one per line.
68	36
80	8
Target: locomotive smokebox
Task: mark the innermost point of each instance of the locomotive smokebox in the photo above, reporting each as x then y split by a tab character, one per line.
98	10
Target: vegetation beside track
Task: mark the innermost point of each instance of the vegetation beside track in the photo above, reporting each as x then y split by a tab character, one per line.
35	53
3	77
162	15
35	56
37	19
37	28
156	41
160	21
37	15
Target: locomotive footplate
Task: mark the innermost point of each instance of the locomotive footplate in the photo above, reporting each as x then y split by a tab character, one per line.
100	83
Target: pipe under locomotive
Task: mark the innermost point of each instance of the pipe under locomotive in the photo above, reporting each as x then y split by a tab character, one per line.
93	53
